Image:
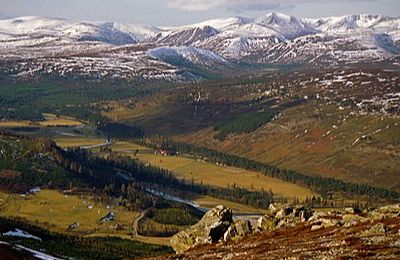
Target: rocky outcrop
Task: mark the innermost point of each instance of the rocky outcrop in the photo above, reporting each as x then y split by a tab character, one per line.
367	227
282	215
217	226
238	230
210	229
352	216
371	239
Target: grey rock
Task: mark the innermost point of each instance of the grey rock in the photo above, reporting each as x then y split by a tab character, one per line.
210	229
303	213
238	230
390	210
351	219
349	210
378	229
266	223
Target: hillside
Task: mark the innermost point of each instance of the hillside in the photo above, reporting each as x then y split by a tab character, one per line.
341	123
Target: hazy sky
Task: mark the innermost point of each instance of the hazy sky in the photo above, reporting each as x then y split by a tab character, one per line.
178	12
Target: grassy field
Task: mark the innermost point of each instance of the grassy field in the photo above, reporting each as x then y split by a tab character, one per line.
17	124
72	142
212	174
50	121
53	120
57	211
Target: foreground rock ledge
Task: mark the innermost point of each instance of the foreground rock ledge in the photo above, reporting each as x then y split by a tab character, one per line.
209	229
295	232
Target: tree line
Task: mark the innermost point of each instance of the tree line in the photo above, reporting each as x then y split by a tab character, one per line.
323	185
245	123
116	172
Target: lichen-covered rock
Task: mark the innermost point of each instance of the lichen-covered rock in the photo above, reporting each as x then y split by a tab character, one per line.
243	227
288	221
237	230
378	229
319	215
351	219
217	224
266	223
374	215
325	223
282	215
279	210
390	211
210	229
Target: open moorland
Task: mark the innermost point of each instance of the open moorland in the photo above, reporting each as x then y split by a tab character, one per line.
325	123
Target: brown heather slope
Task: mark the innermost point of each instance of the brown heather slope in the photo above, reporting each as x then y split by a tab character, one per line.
320	139
362	241
342	123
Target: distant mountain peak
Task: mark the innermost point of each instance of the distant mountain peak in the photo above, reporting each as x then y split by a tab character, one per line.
274	38
276	18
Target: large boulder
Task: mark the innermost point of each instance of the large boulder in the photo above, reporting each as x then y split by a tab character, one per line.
238	230
210	229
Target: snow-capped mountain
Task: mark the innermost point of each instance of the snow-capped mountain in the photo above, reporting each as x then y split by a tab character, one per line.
287	26
187	35
346	23
188	56
46	29
36	45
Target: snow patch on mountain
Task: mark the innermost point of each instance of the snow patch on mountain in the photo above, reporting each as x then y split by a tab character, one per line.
139	32
288	26
109	34
226	24
20	233
192	54
187	35
348	23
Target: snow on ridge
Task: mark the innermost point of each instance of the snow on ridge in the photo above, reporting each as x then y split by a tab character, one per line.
347	22
20	233
224	24
287	26
190	53
140	32
34	45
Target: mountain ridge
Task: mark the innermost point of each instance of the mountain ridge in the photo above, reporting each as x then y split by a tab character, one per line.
274	38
